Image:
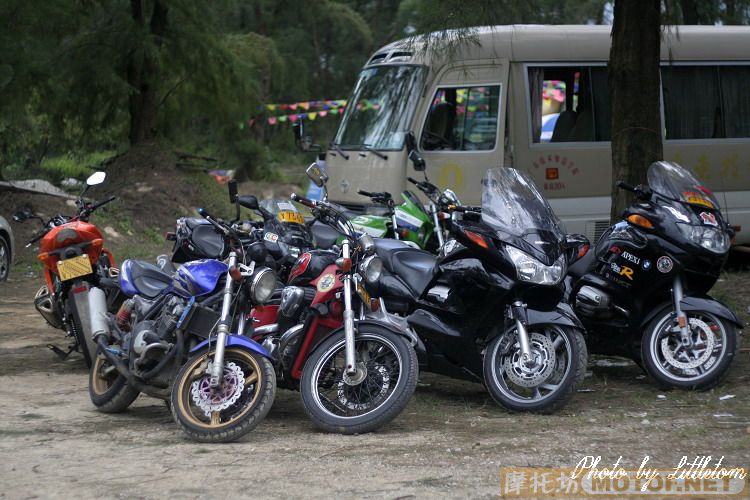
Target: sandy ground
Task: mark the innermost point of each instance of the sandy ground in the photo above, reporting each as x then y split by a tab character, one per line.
450	441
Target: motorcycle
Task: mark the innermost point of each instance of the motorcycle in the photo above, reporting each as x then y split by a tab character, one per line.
172	341
489	309
643	292
78	270
354	374
408	222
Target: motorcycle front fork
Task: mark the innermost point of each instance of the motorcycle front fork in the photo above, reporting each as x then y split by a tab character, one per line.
682	322
517	312
216	368
346	278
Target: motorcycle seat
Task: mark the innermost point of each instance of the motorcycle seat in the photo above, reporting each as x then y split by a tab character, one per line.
325	235
413	266
147	279
579	267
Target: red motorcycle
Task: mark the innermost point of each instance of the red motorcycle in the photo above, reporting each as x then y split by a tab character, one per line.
354	373
79	273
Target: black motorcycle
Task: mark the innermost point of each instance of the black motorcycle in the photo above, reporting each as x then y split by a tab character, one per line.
643	292
488	308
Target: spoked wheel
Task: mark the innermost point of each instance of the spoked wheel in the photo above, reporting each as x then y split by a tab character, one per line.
544	383
384	382
701	363
108	389
4	259
231	411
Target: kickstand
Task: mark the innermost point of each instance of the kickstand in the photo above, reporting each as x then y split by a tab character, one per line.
60	353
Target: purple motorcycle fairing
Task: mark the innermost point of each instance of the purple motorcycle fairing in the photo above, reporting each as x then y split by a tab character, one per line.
198	277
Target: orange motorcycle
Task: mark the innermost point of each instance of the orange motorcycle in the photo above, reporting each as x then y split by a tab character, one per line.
81	284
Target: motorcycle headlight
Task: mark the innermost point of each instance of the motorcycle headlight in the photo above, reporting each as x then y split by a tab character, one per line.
711	238
371	268
532	271
262	285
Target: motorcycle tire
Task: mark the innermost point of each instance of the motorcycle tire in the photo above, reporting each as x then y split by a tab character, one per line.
108	389
246	398
658	351
337	402
519	388
5	258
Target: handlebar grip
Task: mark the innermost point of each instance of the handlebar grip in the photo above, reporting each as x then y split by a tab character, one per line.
412	180
101	203
365	193
305	201
204	213
38	236
625	186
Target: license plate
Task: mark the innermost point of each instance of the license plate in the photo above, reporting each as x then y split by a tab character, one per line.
289	216
73	268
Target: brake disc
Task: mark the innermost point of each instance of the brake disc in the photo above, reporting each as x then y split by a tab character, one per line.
231	389
531	375
700	331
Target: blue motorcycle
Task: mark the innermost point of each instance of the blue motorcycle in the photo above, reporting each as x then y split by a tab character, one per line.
171	340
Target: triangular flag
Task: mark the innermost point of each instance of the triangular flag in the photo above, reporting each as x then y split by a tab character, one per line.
293	106
272	120
304	105
293	118
322	113
282	119
311	116
271	107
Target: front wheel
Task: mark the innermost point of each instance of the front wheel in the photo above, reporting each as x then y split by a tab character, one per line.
546	382
701	363
218	416
384	382
108	389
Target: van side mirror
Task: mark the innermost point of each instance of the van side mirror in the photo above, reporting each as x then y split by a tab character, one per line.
248	201
414	156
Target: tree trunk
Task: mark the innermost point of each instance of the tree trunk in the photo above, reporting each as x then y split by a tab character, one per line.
142	75
634	92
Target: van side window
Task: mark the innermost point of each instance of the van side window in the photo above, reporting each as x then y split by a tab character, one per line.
569	104
706	102
462	119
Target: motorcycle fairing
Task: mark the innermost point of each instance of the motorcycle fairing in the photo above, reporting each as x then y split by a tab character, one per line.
198	278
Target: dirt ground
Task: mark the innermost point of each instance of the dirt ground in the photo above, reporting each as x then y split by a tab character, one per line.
450	441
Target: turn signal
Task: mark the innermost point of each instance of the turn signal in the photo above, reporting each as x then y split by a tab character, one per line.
583	251
640	220
235	273
344	264
477	239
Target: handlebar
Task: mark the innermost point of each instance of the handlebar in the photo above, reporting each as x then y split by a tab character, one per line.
627	187
224	229
102	203
304	201
641	192
38	236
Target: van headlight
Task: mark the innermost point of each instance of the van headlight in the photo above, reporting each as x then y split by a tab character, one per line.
262	285
531	270
711	238
371	268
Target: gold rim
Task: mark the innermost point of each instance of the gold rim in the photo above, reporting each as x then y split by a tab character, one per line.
99	384
196	371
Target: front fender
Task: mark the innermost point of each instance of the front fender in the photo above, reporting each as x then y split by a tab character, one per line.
694	303
235	341
562	315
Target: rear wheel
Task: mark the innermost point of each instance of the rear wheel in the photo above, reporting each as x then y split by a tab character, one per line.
382	386
4	258
108	389
546	382
219	416
701	364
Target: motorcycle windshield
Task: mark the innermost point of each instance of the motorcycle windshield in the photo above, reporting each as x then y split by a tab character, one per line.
288	223
679	184
513	206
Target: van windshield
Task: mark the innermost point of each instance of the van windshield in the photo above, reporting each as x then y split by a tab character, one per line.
380	109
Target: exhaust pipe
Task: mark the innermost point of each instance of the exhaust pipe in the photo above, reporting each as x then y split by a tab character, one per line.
98	313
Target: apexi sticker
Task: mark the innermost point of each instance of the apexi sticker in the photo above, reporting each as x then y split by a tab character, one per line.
272	237
709	219
631	258
695	198
623	271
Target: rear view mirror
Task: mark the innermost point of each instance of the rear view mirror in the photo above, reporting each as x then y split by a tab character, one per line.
232	185
23	215
576	246
248	201
316	175
414	156
96	178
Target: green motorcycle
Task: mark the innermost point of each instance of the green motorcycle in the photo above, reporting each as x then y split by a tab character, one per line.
409	221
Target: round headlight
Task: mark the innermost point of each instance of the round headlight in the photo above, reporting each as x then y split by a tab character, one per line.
371	268
263	285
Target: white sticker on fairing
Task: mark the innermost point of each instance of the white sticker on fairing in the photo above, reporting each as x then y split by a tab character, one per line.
272	237
285	205
404	219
